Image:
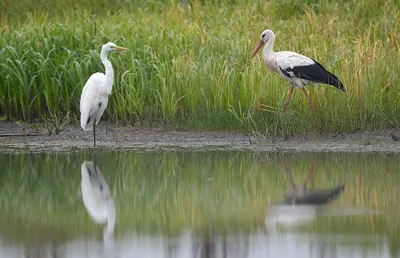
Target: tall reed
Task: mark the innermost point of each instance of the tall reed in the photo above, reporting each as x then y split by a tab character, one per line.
190	63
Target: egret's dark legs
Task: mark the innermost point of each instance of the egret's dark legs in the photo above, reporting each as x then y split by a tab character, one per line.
94	144
94	134
311	104
287	101
94	157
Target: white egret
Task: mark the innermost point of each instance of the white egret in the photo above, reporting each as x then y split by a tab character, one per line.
296	69
95	93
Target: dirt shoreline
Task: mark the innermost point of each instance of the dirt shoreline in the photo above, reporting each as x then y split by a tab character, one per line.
15	139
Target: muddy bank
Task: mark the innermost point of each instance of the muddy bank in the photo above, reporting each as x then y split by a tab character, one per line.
28	137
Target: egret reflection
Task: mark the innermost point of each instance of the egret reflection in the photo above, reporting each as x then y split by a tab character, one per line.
96	197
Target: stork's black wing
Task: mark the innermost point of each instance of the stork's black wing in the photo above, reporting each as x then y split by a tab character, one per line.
314	198
314	72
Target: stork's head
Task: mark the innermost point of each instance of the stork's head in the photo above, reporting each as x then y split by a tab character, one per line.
266	36
111	47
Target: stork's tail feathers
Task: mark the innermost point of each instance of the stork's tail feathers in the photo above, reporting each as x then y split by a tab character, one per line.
334	193
333	80
321	75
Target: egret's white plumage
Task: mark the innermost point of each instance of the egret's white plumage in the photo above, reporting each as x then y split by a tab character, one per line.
96	196
94	101
295	68
94	98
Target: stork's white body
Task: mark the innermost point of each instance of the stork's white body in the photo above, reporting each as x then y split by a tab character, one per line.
296	69
275	61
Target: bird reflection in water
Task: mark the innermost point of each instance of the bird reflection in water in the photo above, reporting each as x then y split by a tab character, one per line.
301	205
96	198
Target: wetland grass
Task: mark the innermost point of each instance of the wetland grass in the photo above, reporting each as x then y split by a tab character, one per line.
190	65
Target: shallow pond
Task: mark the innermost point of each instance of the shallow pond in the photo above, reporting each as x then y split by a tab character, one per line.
197	204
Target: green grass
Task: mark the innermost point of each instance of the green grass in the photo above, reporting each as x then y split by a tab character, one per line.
190	67
170	192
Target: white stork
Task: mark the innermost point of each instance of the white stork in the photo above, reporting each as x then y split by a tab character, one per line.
296	69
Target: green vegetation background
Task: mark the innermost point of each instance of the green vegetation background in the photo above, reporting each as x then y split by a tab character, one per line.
190	67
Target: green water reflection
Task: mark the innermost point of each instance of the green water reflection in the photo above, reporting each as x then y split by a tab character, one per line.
210	193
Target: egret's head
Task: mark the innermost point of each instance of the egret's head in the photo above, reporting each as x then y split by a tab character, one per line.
111	47
266	35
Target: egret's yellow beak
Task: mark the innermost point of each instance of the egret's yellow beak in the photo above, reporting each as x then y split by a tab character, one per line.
120	48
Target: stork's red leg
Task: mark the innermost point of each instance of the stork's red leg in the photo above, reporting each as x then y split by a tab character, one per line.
311	104
289	172
310	173
287	101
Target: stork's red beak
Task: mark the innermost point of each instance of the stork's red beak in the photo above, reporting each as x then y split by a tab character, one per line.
260	44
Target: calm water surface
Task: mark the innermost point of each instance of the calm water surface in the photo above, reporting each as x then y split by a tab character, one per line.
197	204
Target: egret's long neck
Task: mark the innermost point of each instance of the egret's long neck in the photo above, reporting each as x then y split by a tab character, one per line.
109	71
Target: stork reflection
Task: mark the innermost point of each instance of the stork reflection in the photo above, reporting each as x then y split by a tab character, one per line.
301	205
307	196
96	197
